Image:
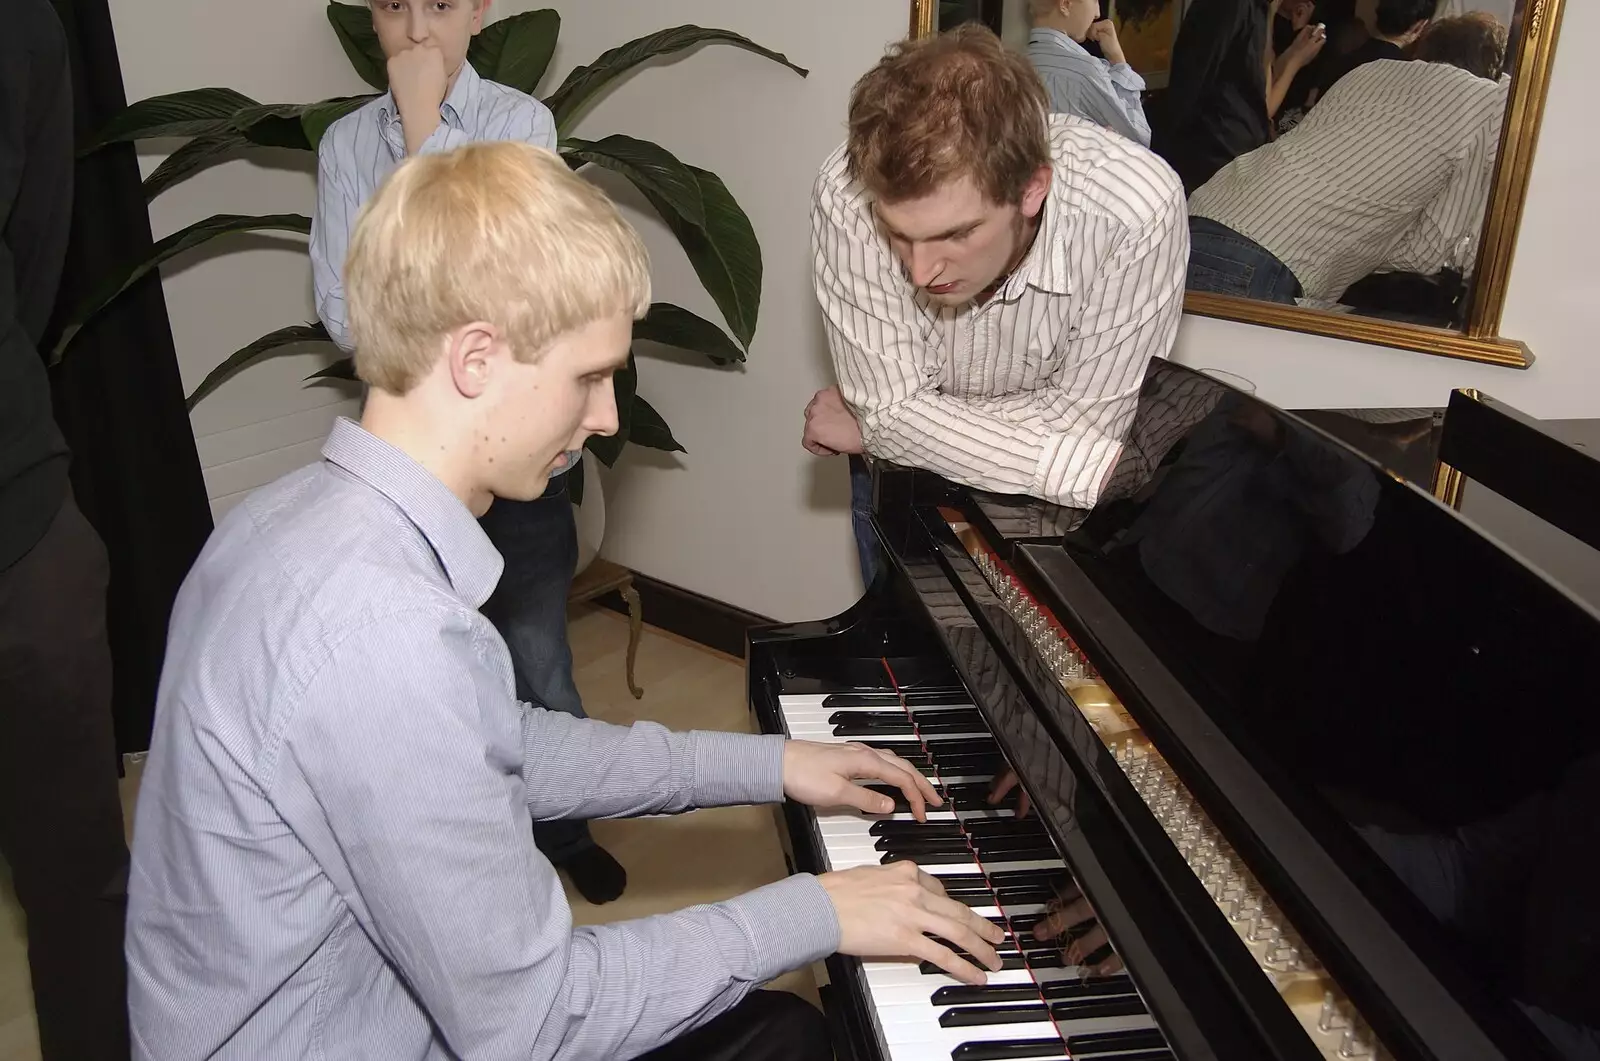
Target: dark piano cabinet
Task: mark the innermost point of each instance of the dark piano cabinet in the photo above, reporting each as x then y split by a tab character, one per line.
1324	758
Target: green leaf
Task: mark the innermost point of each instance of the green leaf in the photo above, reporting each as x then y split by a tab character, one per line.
674	326
198	154
725	253
516	50
624	383
344	368
575	483
352	23
651	168
582	84
316	118
650	430
294	335
274	125
197	234
196	112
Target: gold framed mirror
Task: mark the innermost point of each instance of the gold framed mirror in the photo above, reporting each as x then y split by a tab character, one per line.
1467	326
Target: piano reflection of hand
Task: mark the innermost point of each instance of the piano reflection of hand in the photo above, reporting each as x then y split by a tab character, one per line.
1070	922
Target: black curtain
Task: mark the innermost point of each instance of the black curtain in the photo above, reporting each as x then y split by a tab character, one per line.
118	396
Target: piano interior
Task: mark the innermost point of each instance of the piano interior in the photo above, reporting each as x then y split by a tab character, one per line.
1312	762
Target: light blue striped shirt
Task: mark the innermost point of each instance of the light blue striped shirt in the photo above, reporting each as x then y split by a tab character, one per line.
332	855
1078	83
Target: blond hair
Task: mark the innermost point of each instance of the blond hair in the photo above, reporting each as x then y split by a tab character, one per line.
498	232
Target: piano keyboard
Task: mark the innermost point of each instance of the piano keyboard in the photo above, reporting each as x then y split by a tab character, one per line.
1006	869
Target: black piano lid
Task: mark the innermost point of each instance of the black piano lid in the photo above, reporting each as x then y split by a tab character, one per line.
1420	703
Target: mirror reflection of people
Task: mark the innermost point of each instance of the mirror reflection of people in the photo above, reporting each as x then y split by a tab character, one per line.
1391	172
1214	108
1105	91
994	279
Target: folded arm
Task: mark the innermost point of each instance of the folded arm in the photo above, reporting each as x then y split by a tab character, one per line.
406	744
1057	442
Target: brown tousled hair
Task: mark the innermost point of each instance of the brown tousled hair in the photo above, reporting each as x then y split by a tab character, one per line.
1476	42
944	107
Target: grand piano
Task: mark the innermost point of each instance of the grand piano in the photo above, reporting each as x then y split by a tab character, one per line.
1313	761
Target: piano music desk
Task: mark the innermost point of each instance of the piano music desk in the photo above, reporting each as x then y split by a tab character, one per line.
602	577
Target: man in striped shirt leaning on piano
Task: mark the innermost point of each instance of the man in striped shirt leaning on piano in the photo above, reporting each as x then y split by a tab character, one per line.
1390	172
994	279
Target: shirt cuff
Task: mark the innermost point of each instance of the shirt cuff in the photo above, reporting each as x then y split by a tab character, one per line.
732	769
790	924
1125	76
1077	469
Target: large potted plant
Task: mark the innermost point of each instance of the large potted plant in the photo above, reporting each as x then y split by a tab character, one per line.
219	123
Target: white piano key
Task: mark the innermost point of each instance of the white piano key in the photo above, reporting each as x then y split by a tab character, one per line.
951	868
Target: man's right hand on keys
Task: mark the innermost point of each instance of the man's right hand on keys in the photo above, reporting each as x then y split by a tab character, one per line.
893	912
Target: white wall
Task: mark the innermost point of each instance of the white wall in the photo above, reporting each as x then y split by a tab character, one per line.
746	516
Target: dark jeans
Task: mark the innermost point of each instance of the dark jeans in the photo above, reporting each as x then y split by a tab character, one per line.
540	544
766	1026
1225	263
60	814
868	551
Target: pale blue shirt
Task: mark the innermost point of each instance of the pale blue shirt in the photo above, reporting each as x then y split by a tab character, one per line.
332	856
1078	83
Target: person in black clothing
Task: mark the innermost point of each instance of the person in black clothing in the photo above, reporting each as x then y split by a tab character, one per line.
1216	107
60	815
1396	26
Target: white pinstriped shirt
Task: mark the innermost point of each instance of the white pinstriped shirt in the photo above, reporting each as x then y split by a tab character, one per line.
359	150
332	856
1078	83
1390	170
1032	392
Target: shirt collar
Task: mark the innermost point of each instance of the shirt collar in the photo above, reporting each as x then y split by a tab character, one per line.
462	101
470	561
1055	38
1046	265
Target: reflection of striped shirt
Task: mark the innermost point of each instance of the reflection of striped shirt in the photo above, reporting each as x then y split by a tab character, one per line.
361	149
1078	83
1033	391
1390	171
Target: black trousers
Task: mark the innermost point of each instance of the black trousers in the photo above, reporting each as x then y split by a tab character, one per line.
766	1026
60	815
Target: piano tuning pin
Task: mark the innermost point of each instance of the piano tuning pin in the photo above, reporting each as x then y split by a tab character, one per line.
1354	1044
1331	1018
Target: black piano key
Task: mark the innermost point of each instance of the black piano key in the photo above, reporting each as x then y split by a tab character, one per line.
931	726
963	746
974	994
856	729
980	1050
1094	1008
1092	1043
888	697
972	1016
931	858
1029	878
1023	896
962	714
1003	826
908	845
1056	990
888	828
1143	1055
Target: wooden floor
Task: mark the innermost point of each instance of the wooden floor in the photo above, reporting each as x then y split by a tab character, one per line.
671	862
